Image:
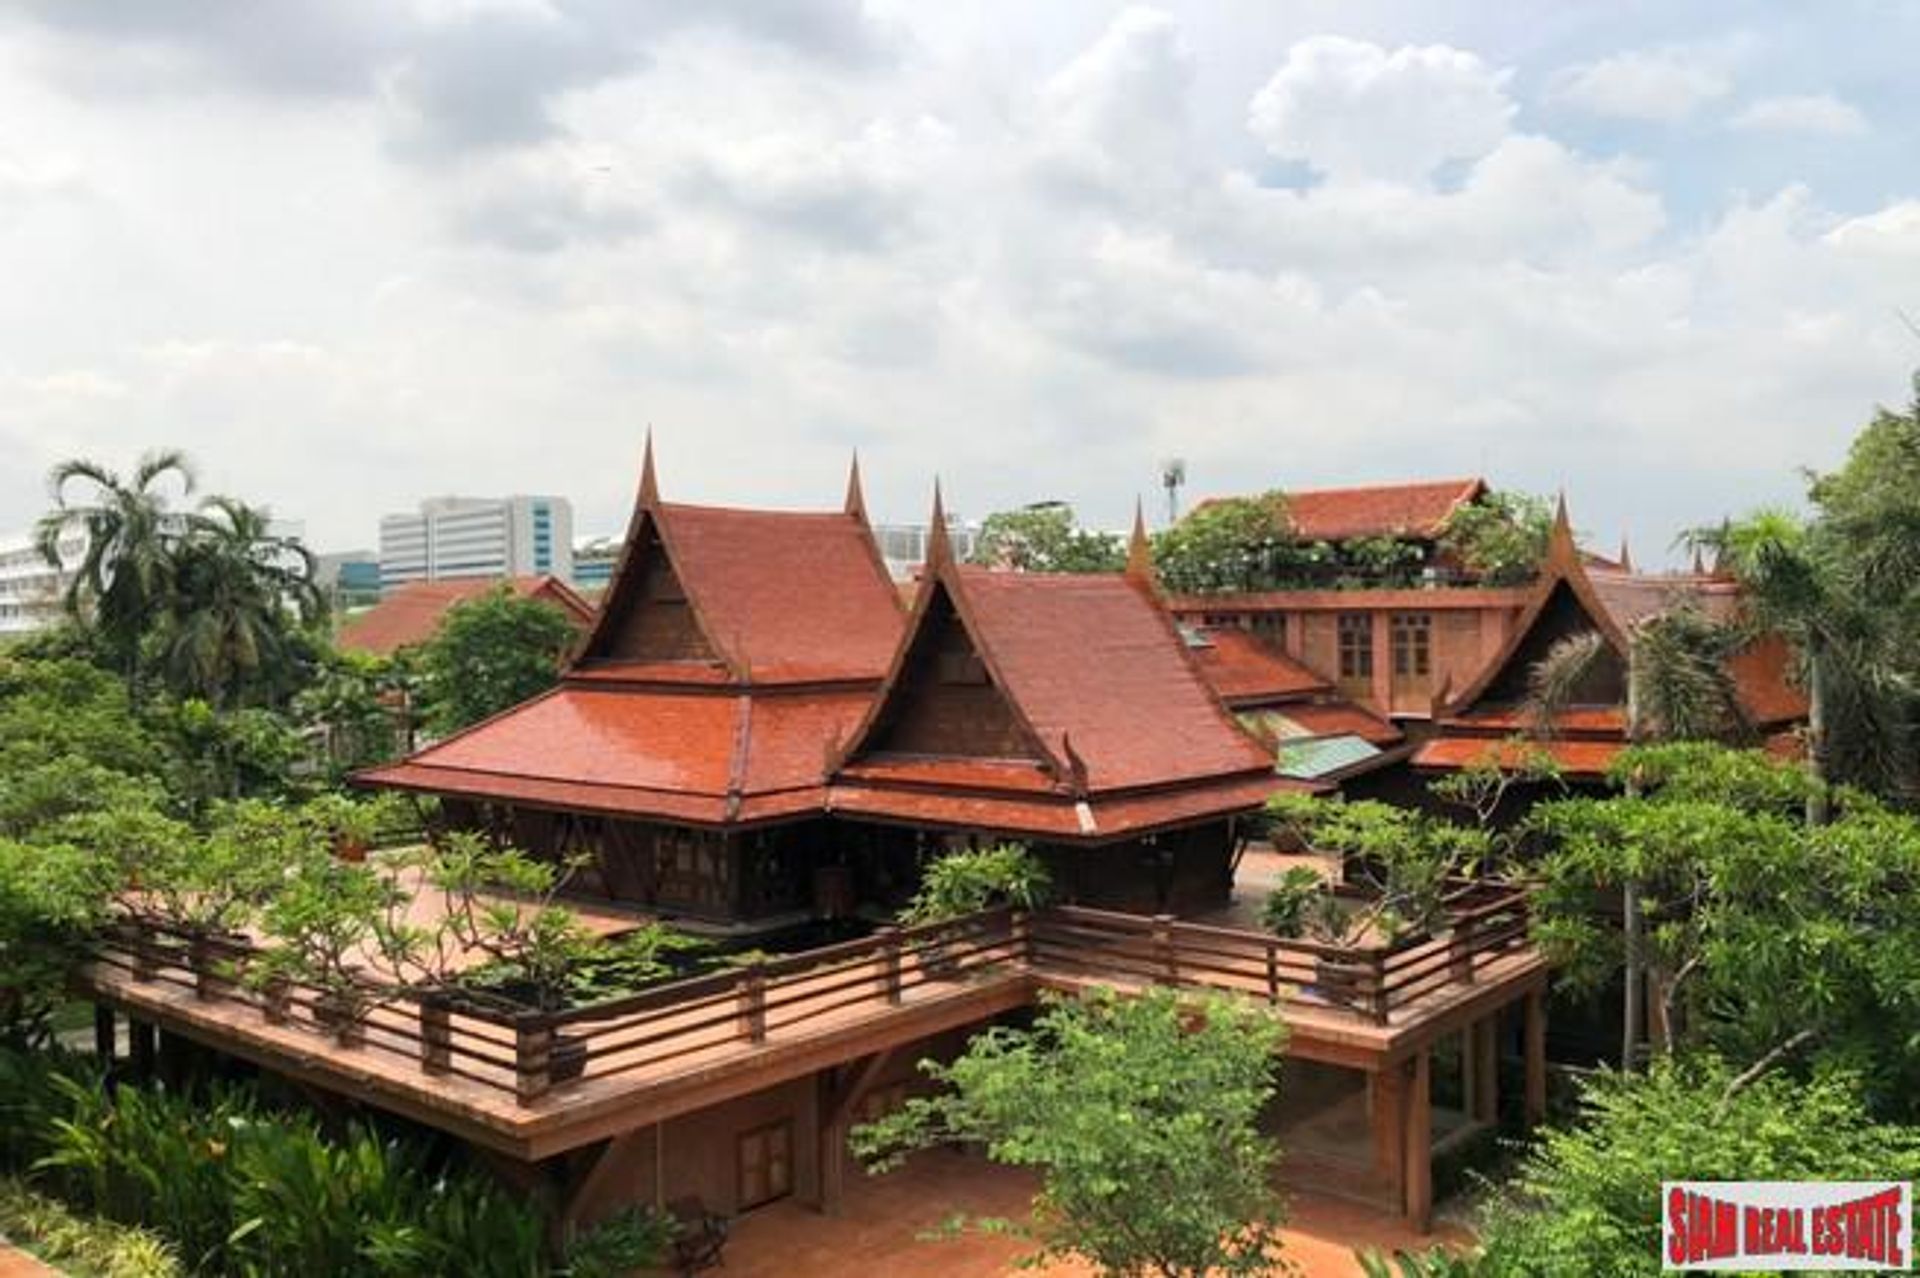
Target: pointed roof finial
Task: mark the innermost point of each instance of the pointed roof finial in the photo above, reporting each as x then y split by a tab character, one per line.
856	503
939	548
1562	551
1140	549
649	484
1626	556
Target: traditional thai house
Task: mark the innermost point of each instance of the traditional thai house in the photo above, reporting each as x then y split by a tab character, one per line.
1490	720
409	614
754	738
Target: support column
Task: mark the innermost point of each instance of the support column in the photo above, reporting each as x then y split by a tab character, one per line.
840	1094
1419	1143
105	1033
1483	1045
1386	1100
143	1046
1536	1056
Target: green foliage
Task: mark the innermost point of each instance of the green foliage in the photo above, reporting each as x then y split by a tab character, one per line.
489	654
323	920
52	897
1501	538
623	1244
239	1188
500	904
81	1246
1771	934
1046	538
1236	543
1587	1200
1141	1115
967	882
215	883
631	962
1409	862
1436	1262
344	702
1285	911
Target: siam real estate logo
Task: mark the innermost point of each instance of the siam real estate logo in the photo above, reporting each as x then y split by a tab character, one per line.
1750	1225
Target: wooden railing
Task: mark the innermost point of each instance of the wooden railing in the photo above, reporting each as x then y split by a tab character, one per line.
1373	981
689	1023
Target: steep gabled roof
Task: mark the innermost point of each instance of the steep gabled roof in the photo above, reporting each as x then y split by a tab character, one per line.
1244	670
771	596
409	614
1099	695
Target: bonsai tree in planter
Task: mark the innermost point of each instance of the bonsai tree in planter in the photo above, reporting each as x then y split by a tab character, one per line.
209	888
327	920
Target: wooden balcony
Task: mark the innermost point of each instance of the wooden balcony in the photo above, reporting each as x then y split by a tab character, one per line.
532	1084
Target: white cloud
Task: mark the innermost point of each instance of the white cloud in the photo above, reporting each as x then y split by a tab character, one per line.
1818	113
1645	84
1353	109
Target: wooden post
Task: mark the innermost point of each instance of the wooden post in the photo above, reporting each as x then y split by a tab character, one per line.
1273	971
890	964
533	1055
105	1039
1020	932
1163	947
1419	1156
1536	1056
1483	1040
1386	1097
436	1036
1377	996
833	1129
753	1004
1460	948
143	1046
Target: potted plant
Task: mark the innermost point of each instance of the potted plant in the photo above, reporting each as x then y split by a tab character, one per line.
323	923
349	827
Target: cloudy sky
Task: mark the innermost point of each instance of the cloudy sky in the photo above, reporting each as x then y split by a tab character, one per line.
354	253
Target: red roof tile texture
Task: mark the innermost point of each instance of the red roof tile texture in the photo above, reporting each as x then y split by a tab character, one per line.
1245	670
1094	658
1342	719
1580	759
1377	510
409	614
790	595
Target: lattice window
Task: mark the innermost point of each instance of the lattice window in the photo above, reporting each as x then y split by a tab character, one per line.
1356	645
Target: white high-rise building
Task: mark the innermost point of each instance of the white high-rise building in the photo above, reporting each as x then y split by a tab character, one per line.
450	537
31	589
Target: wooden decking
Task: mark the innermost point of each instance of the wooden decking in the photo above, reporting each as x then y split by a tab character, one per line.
531	1085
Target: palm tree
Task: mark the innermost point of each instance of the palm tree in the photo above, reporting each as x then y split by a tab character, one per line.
240	591
125	569
1836	591
1678	689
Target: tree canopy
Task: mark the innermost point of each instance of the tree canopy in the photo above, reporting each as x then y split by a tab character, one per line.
489	654
1046	538
1140	1114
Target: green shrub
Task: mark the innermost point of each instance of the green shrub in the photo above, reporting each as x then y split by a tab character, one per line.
239	1188
962	883
1285	911
82	1247
625	1242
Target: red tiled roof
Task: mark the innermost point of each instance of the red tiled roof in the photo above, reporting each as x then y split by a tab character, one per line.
679	755
1092	657
1377	510
790	595
1763	678
1341	719
1574	719
1583	759
1245	670
1059	816
410	613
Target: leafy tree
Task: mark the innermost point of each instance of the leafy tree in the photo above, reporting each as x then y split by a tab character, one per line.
1501	538
1046	538
489	654
1779	942
348	704
52	897
125	573
1235	543
1587	1200
1141	1115
239	596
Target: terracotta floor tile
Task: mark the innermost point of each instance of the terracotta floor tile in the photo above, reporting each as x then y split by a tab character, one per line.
876	1235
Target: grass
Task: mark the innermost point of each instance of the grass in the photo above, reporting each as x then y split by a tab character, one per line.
82	1247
